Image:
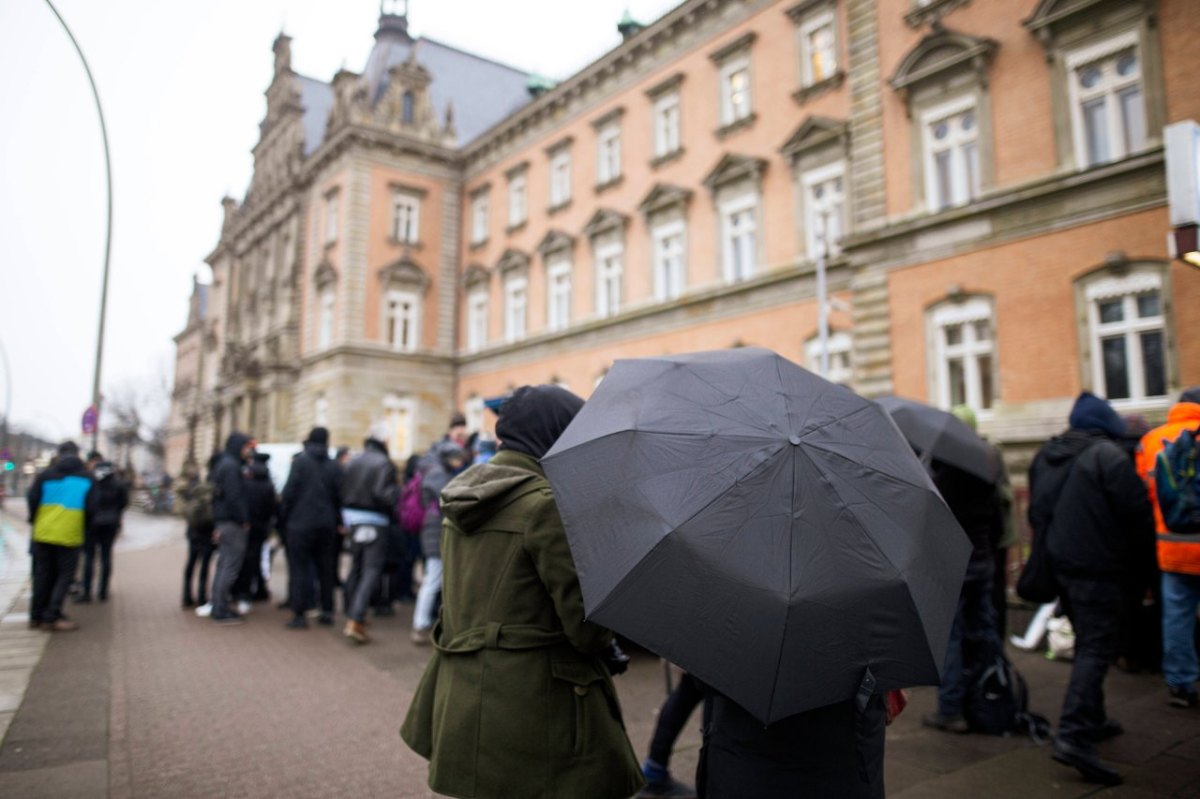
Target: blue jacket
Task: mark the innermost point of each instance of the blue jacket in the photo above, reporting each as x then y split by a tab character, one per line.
61	501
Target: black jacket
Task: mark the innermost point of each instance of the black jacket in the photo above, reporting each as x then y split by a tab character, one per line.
312	497
1085	495
230	502
110	495
260	494
370	481
977	506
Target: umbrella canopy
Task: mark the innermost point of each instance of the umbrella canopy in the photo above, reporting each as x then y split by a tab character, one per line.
939	434
765	529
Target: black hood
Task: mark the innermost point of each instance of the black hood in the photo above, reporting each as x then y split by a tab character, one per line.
316	450
235	443
533	418
1065	447
259	471
66	465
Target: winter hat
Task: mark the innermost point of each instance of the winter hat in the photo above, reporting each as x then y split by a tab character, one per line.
966	415
533	418
1092	413
68	448
1191	395
318	435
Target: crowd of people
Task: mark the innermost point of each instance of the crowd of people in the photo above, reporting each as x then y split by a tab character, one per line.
500	601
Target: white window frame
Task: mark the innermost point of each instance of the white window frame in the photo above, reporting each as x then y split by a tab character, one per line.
479	218
326	300
394	318
807	28
516	308
473	410
406	217
400	419
966	313
667	114
610	271
1104	54
608	153
1127	288
331	216
966	181
729	210
320	411
669	276
813	230
730	113
518	199
477	319
558	291
838	345
560	178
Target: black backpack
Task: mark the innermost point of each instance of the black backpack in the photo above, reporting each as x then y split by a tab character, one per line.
997	702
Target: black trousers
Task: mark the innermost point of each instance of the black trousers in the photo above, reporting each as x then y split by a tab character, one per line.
312	568
250	580
53	570
200	552
675	712
1094	608
100	538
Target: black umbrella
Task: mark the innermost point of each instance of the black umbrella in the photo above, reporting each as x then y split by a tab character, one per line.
765	529
938	434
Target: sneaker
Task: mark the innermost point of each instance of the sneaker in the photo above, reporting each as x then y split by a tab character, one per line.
1181	697
355	632
670	787
243	607
205	610
61	626
1086	762
1110	729
956	724
312	613
421	637
188	602
297	623
228	619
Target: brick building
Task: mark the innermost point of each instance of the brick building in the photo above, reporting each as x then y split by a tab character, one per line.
987	180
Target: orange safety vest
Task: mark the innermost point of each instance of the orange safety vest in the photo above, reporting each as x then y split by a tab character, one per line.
1182	557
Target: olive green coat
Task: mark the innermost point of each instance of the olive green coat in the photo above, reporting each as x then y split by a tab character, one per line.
515	702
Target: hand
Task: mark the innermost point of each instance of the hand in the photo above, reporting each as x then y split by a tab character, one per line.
615	659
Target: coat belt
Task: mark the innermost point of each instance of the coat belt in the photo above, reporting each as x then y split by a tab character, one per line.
495	635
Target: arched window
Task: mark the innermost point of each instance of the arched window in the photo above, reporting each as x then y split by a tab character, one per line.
963	350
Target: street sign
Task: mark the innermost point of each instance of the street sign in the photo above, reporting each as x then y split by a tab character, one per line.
90	418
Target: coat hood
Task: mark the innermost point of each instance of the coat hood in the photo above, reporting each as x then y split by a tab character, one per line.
1184	413
235	443
316	450
533	418
259	471
480	492
104	470
1065	447
1092	413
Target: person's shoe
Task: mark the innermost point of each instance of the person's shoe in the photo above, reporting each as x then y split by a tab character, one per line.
325	619
1181	697
62	626
297	623
102	596
1111	728
312	613
243	607
672	788
205	610
188	602
284	605
228	619
421	637
84	599
1086	762
355	632
384	610
956	724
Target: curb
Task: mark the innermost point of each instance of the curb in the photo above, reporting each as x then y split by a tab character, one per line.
21	649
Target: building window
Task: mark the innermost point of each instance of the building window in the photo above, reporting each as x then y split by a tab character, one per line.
558	292
818	48
824	209
964	353
666	125
320	411
516	308
518	208
331	217
837	345
402	321
560	178
408	108
608	154
1108	108
479	218
735	90
399	418
669	254
739	226
952	154
325	319
610	266
406	218
473	409
1127	331
477	319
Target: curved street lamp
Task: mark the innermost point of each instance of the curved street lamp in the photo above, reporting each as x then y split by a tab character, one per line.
108	229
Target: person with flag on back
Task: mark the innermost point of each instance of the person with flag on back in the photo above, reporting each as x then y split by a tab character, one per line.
61	503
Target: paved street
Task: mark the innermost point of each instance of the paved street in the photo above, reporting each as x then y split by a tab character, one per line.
147	700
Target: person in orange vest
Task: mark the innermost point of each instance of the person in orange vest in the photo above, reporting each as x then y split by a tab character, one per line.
1179	560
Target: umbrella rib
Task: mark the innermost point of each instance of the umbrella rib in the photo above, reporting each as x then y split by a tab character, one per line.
677	434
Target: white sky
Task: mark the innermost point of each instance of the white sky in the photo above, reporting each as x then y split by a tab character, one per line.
182	86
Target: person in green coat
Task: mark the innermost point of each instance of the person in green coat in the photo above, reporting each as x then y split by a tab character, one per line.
517	700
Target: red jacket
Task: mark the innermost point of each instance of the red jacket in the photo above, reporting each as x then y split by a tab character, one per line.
1173	556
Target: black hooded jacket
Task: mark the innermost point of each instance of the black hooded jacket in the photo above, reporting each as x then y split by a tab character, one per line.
370	481
977	506
260	494
111	496
533	418
312	497
230	502
1085	495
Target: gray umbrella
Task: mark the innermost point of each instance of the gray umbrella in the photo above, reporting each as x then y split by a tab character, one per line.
765	529
942	435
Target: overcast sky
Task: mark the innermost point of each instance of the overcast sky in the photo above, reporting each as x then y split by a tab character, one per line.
182	86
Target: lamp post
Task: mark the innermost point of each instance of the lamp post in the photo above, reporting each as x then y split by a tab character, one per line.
108	229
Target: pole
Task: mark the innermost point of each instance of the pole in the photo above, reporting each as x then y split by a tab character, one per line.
108	229
822	299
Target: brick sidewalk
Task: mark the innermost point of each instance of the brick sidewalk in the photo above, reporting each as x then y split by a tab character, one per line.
147	700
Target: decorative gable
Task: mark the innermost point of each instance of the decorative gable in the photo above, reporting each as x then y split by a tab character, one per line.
555	240
404	273
943	52
512	260
664	196
733	167
604	221
325	275
814	132
476	275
